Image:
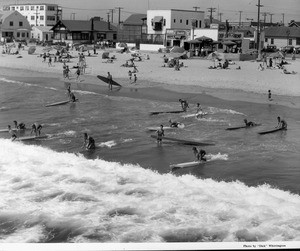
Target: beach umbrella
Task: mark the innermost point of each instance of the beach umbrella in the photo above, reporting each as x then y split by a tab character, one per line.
216	56
47	49
228	43
177	49
276	54
31	50
122	45
204	39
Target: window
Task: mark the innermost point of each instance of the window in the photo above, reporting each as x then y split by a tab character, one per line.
20	24
11	23
297	41
13	8
32	17
199	23
290	41
51	8
18	34
42	7
272	40
164	22
181	21
23	34
22	8
42	18
174	20
266	40
32	7
114	36
187	22
196	23
26	7
51	18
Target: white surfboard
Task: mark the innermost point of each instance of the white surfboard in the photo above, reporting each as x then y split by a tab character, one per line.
31	138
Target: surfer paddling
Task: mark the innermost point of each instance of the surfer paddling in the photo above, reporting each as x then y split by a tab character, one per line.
249	123
20	126
199	154
174	123
184	104
89	142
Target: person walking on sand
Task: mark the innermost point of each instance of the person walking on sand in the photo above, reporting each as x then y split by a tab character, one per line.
269	95
109	77
134	78
50	61
78	74
130	75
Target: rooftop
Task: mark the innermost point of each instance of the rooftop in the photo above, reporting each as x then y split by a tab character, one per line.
135	19
283	31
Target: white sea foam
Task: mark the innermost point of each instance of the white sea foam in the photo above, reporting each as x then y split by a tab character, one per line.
214	110
108	144
60	197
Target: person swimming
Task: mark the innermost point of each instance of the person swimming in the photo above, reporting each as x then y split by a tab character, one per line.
174	123
184	104
249	123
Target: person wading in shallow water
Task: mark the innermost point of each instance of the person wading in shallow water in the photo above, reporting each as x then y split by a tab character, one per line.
160	134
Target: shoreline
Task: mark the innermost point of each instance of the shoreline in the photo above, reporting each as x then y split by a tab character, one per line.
227	94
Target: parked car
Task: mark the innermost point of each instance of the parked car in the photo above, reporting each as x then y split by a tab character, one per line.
270	48
287	49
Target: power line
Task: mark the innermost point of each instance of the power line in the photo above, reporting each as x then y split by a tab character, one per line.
196	8
211	10
119	8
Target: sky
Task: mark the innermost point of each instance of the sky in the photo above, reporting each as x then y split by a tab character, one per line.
229	9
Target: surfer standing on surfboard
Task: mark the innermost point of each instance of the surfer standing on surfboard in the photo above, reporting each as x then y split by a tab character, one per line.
199	154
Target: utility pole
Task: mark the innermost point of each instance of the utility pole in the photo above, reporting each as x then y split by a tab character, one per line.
58	13
282	18
196	8
271	17
112	15
240	18
220	14
108	20
211	10
119	8
36	17
258	29
264	15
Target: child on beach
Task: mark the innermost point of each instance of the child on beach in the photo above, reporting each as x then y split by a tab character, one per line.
134	78
260	67
78	74
129	74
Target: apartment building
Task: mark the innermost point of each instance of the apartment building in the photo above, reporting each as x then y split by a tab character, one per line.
42	14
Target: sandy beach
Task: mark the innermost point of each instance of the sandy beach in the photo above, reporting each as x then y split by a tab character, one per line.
246	84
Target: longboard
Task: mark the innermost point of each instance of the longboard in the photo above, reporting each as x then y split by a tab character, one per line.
156	113
240	127
31	138
187	164
105	79
185	142
61	102
195	115
271	131
15	130
156	128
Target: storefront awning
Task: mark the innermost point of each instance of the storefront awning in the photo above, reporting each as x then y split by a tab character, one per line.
158	19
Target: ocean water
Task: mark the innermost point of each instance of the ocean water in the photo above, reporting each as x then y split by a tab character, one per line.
52	190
